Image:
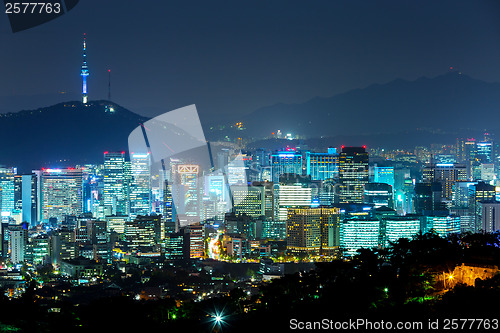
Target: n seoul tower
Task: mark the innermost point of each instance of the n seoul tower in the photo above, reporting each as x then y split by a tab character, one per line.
85	71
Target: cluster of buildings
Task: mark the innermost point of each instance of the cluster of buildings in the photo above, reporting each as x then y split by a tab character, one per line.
274	204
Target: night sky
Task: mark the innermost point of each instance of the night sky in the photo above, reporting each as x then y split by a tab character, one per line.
232	57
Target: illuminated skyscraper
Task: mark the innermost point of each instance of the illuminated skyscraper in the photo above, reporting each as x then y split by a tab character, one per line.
447	175
61	193
283	162
384	175
250	200
379	194
313	230
442	225
322	166
395	227
140	189
114	183
187	189
84	72
7	197
353	174
480	192
293	196
359	233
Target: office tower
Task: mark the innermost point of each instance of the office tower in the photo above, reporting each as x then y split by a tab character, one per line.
176	246
313	230
18	238
384	175
484	151
443	225
168	203
488	172
292	196
268	198
322	166
236	225
403	191
39	249
187	189
262	157
61	193
359	233
219	194
470	159
427	197
479	192
99	239
236	170
29	194
63	246
395	227
249	200
7	197
447	175
353	174
144	231
488	217
460	197
114	183
284	162
273	229
140	188
196	241
378	194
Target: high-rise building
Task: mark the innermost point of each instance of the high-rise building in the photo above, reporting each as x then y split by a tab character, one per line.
140	188
353	174
61	193
187	190
357	234
384	175
144	231
427	197
322	166
447	175
7	190
249	200
29	195
18	238
284	162
63	246
196	241
313	230
488	216
114	183
477	193
395	227
378	194
484	151
292	196
442	225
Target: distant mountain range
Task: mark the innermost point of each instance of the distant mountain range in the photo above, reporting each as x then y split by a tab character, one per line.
452	102
397	114
64	134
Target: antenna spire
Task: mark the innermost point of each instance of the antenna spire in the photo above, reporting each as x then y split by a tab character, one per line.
109	84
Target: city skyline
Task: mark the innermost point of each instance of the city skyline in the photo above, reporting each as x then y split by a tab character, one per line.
233	167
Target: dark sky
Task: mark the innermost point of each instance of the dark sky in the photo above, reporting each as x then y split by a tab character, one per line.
232	57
